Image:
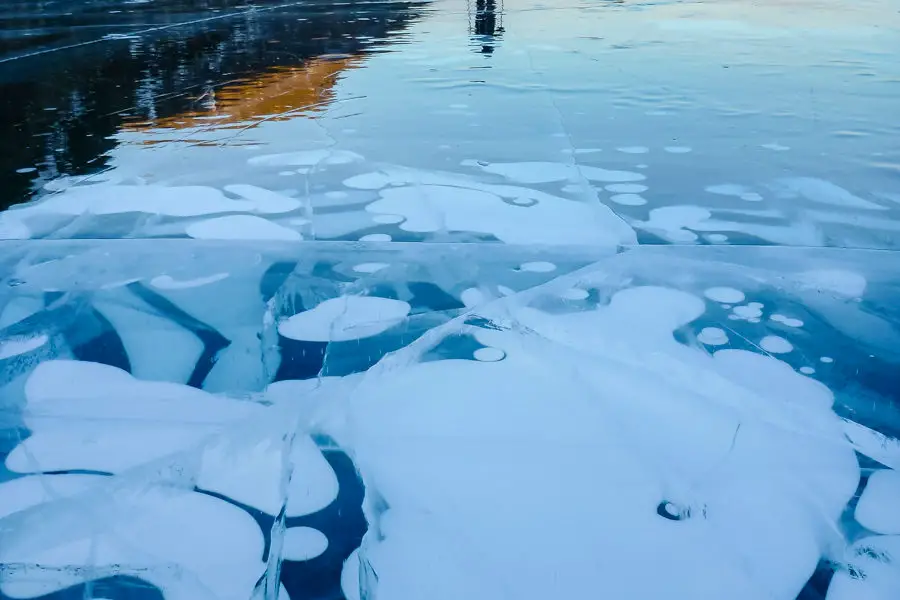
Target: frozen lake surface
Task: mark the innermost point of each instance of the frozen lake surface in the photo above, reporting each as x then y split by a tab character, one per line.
450	299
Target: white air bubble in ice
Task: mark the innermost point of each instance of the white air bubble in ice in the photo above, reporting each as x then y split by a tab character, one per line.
167	282
345	318
826	359
729	189
822	192
472	297
368	181
751	310
489	354
548	172
628	199
303	543
786	321
375	237
537	267
775	344
241	227
677	149
626	188
350	576
308	158
724	295
370	267
387	219
878	509
574	294
807	370
265	201
548	220
634	149
713	336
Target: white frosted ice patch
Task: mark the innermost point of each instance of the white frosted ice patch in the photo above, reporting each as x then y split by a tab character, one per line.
372	267
308	158
167	282
241	227
21	345
822	192
626	188
775	146
548	220
847	284
786	321
751	197
303	543
345	318
376	237
540	266
775	344
265	201
878	509
713	336
489	354
628	199
634	149
677	149
725	295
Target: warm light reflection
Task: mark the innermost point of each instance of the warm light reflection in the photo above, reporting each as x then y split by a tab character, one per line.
276	94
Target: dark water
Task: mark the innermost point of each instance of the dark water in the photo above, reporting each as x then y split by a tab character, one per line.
72	72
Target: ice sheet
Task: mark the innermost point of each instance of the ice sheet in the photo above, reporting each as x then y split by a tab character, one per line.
550	366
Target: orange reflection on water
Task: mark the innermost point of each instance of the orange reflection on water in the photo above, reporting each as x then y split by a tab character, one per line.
277	94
